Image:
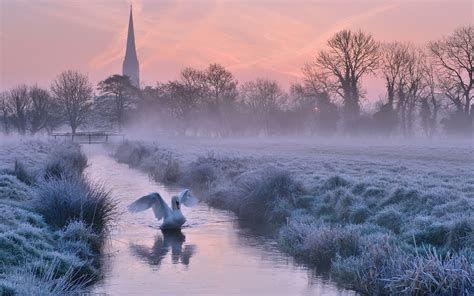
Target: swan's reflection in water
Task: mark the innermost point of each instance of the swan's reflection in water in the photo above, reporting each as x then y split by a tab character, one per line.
173	240
149	263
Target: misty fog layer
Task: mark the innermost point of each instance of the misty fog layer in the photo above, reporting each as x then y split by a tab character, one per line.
428	94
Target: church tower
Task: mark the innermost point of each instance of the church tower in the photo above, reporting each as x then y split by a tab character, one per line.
130	63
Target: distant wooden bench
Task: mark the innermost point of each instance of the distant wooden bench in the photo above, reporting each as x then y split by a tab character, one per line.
89	137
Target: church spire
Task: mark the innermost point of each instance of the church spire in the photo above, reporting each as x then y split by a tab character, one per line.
131	37
130	63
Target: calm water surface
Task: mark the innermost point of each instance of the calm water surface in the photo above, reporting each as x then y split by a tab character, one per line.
213	255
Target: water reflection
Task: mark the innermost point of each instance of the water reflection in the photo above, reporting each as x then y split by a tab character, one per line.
164	242
236	259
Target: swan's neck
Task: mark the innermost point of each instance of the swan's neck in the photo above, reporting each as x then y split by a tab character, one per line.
175	203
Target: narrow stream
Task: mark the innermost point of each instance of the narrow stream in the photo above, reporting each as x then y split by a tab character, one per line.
213	255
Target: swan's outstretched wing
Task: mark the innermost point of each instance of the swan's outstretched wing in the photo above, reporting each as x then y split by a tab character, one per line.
187	199
154	201
143	203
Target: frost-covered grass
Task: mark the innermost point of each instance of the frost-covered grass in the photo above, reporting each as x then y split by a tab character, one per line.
62	200
381	219
46	250
29	280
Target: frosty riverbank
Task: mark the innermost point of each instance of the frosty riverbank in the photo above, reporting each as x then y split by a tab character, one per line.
380	218
52	221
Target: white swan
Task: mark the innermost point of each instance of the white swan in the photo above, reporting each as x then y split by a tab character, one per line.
172	217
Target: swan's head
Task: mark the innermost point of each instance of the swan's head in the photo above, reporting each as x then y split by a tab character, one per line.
175	205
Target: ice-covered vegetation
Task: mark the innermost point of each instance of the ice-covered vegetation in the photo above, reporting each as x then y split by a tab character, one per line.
377	219
52	220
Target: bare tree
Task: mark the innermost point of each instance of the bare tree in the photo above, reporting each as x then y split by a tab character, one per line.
193	78
221	84
426	116
43	113
179	103
350	56
262	97
433	96
453	92
153	104
117	96
74	93
183	103
454	57
18	102
315	99
316	80
303	98
183	99
411	88
394	57
222	92
5	109
195	83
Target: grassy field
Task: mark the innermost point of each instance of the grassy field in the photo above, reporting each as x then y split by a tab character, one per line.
378	218
52	220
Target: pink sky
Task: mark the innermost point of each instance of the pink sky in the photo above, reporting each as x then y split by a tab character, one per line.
268	38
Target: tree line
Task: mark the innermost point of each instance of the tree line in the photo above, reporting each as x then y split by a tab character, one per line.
428	91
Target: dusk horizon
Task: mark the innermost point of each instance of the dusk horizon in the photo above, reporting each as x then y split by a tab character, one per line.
173	35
